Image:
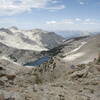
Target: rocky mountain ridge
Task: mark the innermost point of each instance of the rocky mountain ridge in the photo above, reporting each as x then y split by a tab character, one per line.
36	39
55	79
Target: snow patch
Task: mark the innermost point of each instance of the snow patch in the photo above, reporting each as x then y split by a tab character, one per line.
5	58
76	49
71	56
74	56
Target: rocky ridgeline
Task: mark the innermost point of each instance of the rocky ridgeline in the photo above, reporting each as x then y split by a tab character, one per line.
52	81
35	39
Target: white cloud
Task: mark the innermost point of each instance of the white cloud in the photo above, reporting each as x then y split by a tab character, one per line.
89	23
10	7
55	1
82	3
87	20
65	21
59	7
68	21
78	19
75	21
73	24
51	22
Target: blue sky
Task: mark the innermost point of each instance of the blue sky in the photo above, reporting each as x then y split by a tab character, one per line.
51	14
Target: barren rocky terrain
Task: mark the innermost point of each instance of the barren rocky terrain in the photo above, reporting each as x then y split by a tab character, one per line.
65	76
35	39
51	81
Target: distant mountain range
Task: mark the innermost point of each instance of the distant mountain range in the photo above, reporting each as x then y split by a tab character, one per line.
74	33
36	39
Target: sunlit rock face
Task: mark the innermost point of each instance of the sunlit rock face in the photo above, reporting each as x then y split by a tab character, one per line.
36	39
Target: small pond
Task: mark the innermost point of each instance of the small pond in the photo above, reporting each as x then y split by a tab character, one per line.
38	62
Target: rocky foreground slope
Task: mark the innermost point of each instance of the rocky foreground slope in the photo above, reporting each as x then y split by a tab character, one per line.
51	81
